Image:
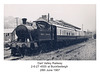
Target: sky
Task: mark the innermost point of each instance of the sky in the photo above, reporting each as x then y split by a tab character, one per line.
75	14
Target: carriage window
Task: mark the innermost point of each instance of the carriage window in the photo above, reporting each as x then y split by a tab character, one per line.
73	34
60	32
67	33
64	32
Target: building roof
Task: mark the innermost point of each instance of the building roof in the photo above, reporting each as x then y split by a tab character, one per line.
58	22
8	30
67	24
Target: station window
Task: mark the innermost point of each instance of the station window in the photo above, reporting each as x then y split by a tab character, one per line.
8	34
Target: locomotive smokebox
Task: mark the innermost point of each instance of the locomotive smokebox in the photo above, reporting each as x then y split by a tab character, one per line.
24	20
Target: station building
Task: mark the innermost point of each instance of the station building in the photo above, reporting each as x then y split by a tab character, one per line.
9	35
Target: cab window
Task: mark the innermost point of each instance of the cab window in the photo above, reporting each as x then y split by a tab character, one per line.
34	25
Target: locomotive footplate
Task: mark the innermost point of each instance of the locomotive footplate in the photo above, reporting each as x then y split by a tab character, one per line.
18	48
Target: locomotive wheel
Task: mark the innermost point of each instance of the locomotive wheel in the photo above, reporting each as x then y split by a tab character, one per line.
43	48
13	51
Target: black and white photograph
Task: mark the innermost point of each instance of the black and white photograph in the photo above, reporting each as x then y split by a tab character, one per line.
49	37
49	32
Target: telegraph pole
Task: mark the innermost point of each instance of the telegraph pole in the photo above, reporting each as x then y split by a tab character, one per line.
16	21
82	30
82	27
48	17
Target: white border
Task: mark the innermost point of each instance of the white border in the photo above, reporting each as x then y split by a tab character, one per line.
87	67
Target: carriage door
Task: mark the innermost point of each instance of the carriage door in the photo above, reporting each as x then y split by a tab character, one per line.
53	33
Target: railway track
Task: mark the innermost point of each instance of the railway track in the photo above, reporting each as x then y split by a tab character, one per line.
58	52
7	55
68	53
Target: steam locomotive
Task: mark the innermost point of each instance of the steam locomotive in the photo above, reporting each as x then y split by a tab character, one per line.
42	35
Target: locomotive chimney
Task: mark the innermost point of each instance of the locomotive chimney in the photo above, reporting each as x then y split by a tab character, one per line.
24	20
51	19
44	16
48	17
